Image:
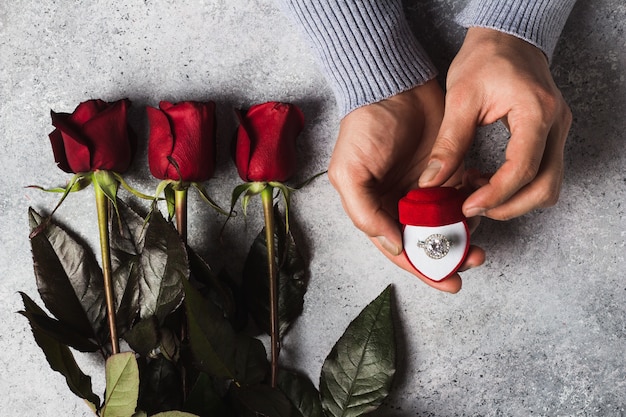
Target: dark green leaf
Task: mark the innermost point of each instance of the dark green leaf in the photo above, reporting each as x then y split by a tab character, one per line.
238	318
291	278
251	365
357	374
144	336
69	279
175	414
262	400
165	265
211	336
54	328
301	393
122	385
150	262
170	345
126	247
204	401
160	388
60	358
218	289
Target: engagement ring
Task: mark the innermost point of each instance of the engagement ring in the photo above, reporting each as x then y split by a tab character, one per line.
436	246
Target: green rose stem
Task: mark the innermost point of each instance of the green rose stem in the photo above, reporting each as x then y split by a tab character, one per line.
268	210
102	205
180	206
180	202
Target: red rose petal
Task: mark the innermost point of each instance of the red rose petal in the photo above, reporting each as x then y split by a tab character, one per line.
108	135
58	149
160	143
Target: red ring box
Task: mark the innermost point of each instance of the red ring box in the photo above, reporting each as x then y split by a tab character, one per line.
427	212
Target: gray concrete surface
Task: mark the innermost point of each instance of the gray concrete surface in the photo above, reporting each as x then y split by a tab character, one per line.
539	330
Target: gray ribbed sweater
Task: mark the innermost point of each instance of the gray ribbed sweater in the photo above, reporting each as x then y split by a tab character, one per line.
368	52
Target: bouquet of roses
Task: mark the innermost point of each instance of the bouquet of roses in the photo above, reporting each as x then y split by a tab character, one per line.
174	335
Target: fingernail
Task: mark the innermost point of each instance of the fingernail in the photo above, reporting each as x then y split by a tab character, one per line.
474	211
388	246
430	172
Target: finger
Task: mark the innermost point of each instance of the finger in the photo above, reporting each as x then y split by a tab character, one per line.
452	284
544	190
365	209
475	257
523	159
474	179
454	139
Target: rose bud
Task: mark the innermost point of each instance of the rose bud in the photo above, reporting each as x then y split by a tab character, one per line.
265	147
182	141
95	137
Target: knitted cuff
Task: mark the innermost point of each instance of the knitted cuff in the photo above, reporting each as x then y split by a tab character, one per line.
365	47
538	22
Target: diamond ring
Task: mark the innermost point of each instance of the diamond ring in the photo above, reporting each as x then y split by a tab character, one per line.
435	246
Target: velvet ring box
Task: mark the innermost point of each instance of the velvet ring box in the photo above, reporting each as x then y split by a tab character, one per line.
435	235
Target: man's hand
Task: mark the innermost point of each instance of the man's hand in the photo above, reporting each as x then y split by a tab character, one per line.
380	154
496	76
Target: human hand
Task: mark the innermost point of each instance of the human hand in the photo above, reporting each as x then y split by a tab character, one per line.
381	151
496	76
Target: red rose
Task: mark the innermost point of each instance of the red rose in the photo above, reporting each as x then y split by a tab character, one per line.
184	132
95	137
265	148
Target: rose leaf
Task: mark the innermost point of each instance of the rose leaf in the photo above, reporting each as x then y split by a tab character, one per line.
251	365
291	278
261	400
159	387
61	359
149	262
54	328
174	414
301	393
69	279
211	336
126	230
203	400
122	385
165	267
217	287
144	336
357	374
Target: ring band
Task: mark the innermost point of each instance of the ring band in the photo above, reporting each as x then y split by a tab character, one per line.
435	246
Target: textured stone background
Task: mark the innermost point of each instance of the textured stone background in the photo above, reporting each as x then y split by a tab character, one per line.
538	330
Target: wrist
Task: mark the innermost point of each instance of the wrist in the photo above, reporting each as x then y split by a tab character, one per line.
493	43
496	41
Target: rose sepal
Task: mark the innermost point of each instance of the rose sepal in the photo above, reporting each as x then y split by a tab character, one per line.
78	182
205	196
168	189
287	191
248	189
130	189
107	182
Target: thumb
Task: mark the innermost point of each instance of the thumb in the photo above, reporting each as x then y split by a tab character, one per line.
453	140
365	209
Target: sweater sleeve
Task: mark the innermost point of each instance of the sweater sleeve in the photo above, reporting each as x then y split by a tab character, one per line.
538	22
365	48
